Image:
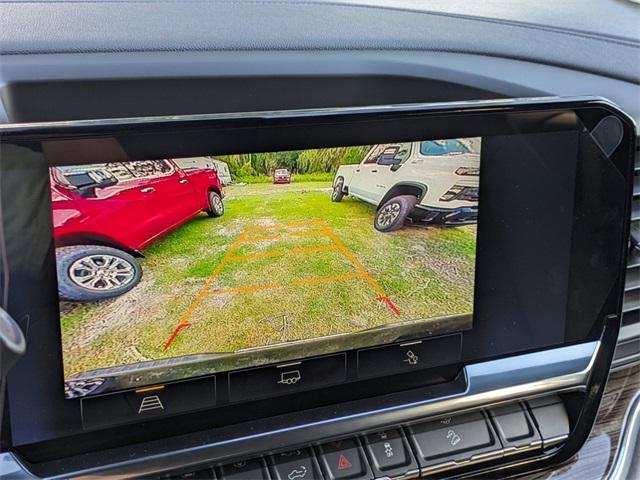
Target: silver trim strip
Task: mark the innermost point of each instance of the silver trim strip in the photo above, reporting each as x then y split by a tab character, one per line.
478	105
629	334
487	383
308	112
628	448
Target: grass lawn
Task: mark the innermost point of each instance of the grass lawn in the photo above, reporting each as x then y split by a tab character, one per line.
287	265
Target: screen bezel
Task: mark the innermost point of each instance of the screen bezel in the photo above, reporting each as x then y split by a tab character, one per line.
245	133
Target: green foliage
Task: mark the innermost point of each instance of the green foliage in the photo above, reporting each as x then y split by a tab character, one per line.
253	179
297	178
259	167
329	159
246	170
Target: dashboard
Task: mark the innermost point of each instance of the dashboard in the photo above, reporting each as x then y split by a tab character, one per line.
169	68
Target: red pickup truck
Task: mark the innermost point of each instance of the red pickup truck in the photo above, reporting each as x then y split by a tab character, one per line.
104	215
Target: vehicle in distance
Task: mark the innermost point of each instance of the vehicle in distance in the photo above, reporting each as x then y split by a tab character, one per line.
281	175
105	214
221	168
433	182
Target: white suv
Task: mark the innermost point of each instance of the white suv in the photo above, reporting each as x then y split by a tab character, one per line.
435	181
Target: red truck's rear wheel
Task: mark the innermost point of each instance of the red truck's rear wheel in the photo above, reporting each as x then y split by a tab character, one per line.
216	207
92	272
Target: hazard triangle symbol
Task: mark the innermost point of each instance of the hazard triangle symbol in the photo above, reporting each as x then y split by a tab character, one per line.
343	463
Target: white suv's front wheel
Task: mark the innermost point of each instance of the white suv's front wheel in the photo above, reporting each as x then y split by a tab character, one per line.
392	214
338	190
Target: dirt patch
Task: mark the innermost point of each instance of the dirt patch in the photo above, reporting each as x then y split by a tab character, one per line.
119	312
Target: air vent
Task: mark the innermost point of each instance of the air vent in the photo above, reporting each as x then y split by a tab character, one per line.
628	350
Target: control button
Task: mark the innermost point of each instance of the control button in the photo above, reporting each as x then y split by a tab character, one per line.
515	427
389	453
551	419
149	402
409	356
297	464
454	439
254	469
344	459
287	378
205	473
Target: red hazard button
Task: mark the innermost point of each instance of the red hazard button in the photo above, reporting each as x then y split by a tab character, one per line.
343	460
344	463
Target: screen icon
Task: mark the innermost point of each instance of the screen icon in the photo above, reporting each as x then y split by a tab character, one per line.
290	378
412	358
150	403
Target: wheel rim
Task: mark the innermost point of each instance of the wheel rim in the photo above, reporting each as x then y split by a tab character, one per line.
388	214
101	272
217	203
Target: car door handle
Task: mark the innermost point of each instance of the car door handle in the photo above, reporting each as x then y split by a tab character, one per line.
357	169
147	189
184	181
374	171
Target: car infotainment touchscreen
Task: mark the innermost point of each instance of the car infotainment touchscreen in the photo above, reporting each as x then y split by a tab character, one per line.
228	262
174	274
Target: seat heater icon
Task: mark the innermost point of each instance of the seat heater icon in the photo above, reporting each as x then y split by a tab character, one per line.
290	378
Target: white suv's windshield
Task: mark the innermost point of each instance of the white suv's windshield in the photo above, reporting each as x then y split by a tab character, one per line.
442	147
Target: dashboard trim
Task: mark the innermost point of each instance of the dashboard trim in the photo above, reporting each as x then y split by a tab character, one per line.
623	462
485	384
46	128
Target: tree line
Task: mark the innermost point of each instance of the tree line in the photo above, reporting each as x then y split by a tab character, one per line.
321	160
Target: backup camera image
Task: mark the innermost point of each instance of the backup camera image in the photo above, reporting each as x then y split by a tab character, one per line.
209	264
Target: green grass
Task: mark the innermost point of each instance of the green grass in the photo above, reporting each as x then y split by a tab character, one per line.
296	178
427	272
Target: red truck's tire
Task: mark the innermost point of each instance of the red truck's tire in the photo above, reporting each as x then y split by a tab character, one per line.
114	272
216	207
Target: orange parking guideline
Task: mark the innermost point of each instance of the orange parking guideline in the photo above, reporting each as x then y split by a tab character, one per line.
260	238
250	256
335	278
255	288
354	260
323	230
275	236
262	228
294	251
183	321
308	233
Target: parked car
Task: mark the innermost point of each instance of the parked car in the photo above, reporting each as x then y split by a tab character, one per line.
105	215
281	175
221	168
434	181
